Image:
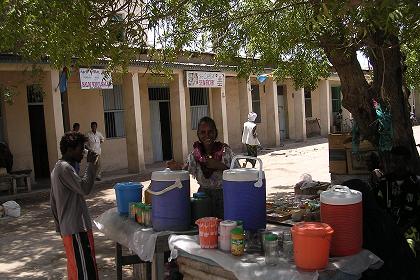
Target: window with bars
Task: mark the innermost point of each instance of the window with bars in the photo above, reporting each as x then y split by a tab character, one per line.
256	102
308	103
336	99
114	112
199	104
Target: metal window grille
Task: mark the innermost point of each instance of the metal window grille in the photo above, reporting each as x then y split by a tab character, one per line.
336	99
199	104
114	112
308	103
35	94
256	102
159	93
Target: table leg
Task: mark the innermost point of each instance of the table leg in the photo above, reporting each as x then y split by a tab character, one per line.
118	260
14	183
158	266
28	183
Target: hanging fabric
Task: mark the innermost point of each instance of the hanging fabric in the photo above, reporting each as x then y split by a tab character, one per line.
384	119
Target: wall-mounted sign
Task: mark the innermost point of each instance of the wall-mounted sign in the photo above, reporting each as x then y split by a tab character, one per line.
198	79
95	79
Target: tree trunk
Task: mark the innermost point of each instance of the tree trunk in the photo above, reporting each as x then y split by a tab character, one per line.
386	88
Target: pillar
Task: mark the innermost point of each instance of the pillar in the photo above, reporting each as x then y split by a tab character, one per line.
273	130
179	117
53	116
325	106
219	112
299	114
133	123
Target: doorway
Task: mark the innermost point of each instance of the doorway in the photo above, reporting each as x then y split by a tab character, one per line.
160	121
38	134
282	111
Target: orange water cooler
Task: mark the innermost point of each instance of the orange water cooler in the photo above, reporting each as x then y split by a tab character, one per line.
342	209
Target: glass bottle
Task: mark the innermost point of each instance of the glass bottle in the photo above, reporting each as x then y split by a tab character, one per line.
271	249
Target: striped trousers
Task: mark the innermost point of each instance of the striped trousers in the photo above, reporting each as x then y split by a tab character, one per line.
80	252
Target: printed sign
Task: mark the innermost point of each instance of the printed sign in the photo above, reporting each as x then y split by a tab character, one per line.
197	79
95	79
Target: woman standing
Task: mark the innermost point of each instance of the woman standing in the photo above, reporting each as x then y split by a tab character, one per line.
207	162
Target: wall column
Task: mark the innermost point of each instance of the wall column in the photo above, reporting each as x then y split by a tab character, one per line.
219	112
300	119
53	116
133	123
179	117
245	99
325	106
273	130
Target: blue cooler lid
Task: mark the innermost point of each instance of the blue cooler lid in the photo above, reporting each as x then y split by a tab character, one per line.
170	175
242	174
128	185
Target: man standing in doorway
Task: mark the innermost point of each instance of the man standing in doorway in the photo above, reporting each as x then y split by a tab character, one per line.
250	139
94	144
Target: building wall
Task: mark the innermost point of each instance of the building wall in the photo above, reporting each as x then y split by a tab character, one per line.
16	120
316	106
86	106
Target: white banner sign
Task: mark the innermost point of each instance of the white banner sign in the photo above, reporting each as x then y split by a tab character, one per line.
197	79
94	79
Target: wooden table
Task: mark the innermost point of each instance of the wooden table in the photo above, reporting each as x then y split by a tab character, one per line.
157	266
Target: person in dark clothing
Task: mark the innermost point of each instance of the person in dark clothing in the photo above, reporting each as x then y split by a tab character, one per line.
383	237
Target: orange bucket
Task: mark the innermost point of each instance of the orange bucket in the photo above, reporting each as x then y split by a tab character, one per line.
311	241
208	230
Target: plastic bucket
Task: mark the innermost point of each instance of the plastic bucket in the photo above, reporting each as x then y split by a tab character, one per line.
311	242
125	193
207	231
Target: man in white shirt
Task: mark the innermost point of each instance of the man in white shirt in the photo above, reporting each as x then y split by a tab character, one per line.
249	137
94	144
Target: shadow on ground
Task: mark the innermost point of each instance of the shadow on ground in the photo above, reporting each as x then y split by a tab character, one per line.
31	249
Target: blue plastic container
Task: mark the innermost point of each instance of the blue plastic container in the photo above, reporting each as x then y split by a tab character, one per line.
171	206
125	193
244	196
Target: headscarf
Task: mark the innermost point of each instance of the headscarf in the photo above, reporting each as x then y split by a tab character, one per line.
252	117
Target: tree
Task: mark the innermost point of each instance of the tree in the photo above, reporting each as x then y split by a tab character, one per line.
301	39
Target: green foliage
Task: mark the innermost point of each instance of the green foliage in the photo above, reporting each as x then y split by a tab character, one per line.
287	35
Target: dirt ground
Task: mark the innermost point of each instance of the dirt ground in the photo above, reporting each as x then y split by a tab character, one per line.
30	248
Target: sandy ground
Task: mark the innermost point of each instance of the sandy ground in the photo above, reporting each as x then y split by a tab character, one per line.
30	249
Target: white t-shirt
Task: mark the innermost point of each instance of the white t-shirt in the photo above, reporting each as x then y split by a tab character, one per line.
247	136
94	142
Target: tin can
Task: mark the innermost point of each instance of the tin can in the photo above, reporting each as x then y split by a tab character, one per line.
237	240
139	210
132	211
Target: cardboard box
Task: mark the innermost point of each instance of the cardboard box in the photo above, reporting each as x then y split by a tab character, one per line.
338	140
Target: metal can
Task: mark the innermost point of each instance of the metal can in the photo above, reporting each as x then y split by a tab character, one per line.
139	210
132	210
237	240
